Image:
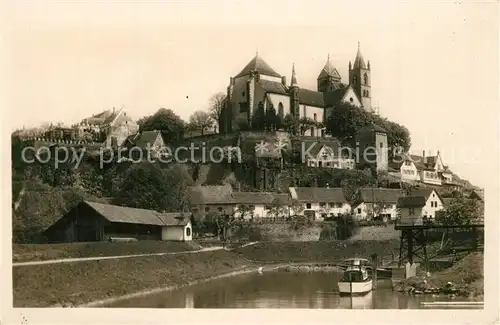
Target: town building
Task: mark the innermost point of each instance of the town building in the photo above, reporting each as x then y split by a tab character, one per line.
258	87
92	221
318	202
410	210
212	199
426	169
377	203
325	153
110	127
433	201
373	148
261	205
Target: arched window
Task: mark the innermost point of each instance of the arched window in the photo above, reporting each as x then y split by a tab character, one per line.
188	231
367	94
315	117
281	112
365	77
355	80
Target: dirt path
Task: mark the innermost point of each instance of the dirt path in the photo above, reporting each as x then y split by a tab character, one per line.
84	259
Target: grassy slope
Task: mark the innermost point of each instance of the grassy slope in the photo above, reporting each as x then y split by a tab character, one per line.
318	251
82	282
33	252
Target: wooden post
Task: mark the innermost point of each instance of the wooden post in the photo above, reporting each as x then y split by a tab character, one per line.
374	270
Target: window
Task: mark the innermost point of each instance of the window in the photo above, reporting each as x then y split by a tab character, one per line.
367	93
281	111
243	94
207	209
251	207
219	209
308	205
412	211
359	210
188	231
365	79
351	99
381	144
268	207
339	205
322	204
315	117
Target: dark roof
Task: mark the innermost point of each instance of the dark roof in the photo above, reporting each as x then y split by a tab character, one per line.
144	138
380	195
311	97
116	213
260	198
259	65
372	128
318	194
273	87
214	194
479	194
411	202
422	191
359	62
335	96
174	219
329	71
316	144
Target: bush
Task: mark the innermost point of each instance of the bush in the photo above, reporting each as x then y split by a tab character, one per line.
346	226
328	231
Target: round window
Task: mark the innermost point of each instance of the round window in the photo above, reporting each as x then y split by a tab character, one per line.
351	99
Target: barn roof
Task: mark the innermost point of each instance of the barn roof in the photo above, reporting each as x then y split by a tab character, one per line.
214	194
411	202
380	195
115	213
318	194
260	198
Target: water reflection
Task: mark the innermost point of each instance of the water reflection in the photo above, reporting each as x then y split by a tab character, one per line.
274	290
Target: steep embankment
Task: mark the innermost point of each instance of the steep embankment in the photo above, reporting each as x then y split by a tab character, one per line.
465	278
82	282
323	251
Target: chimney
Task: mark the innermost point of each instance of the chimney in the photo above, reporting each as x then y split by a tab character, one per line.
283	81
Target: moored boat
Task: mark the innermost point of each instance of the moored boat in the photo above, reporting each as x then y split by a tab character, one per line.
355	280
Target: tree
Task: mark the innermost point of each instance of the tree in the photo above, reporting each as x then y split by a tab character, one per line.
272	120
164	120
459	211
304	124
216	108
200	121
147	186
290	124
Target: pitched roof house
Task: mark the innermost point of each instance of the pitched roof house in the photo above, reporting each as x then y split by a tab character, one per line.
378	203
319	202
92	221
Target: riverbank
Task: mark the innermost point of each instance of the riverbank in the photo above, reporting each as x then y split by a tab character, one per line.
318	251
465	278
43	252
73	284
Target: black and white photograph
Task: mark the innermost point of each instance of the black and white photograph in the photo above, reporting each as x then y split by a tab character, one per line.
307	157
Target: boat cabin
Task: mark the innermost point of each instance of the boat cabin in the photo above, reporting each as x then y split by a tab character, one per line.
355	270
356	261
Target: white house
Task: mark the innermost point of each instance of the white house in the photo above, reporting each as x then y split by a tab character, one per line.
176	227
326	153
320	202
410	210
377	203
251	205
433	202
426	169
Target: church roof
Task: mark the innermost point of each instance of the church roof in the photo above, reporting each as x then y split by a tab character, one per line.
258	64
359	62
329	71
311	97
333	97
273	87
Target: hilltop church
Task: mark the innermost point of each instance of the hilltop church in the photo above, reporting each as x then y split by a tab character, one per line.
258	87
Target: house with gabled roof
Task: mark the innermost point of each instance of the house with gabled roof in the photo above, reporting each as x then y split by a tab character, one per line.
410	210
377	203
258	87
324	153
92	221
205	200
426	169
433	201
255	205
318	202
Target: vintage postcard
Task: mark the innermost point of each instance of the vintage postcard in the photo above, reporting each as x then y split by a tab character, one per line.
242	162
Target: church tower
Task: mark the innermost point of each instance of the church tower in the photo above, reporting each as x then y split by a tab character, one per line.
294	95
329	78
360	79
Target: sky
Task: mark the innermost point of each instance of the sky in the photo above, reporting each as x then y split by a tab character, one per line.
434	64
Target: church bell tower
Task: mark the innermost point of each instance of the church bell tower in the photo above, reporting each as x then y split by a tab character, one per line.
360	79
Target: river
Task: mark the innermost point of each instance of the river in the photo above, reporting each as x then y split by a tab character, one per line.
276	290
